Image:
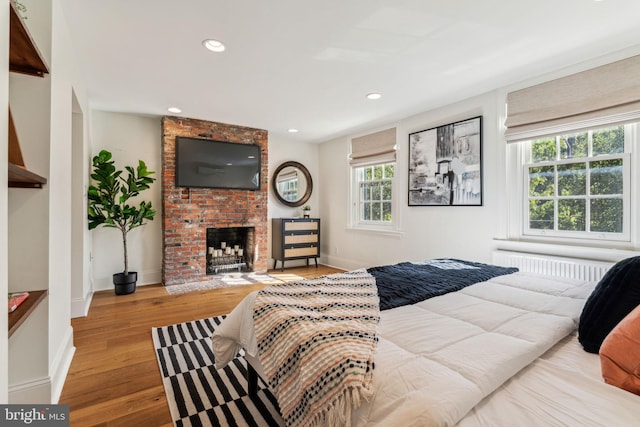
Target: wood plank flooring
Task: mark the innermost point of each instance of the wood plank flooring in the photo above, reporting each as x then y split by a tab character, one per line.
114	379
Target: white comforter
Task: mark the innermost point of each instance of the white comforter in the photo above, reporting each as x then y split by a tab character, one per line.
439	358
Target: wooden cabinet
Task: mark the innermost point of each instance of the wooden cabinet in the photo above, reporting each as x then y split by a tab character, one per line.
295	238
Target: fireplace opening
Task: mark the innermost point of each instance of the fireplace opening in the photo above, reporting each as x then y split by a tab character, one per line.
229	249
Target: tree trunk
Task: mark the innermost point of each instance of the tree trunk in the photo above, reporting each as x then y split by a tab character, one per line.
126	259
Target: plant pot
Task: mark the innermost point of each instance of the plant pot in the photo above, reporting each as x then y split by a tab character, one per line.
125	284
306	214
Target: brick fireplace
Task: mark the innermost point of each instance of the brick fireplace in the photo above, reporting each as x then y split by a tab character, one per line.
189	212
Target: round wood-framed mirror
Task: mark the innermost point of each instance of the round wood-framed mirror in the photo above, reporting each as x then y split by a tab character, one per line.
292	184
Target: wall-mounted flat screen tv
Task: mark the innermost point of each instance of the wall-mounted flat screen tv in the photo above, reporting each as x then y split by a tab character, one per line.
217	164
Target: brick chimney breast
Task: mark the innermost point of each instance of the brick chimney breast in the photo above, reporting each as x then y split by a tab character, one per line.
188	212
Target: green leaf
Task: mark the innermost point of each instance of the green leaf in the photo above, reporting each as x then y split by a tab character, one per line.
110	191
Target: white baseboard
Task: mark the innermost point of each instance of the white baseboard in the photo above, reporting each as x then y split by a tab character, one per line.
80	306
61	364
36	391
342	263
149	277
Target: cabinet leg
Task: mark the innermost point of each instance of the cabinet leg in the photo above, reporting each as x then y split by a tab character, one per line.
282	265
275	263
316	260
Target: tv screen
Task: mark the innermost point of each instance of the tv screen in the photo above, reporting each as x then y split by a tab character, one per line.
217	164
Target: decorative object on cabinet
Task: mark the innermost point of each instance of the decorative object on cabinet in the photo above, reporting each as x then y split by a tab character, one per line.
108	206
445	165
295	238
292	184
25	58
306	211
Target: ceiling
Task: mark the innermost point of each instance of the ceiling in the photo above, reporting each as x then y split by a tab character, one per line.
309	64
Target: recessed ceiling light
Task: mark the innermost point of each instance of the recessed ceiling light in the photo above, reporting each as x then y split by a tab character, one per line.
214	45
229	164
292	130
174	110
374	96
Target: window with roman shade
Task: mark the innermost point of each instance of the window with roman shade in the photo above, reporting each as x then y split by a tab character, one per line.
601	96
372	160
577	137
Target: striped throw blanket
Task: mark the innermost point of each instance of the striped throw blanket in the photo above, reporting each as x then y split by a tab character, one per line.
316	341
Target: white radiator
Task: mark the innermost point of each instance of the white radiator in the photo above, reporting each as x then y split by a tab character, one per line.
576	268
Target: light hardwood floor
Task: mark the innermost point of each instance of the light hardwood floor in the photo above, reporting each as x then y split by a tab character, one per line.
114	379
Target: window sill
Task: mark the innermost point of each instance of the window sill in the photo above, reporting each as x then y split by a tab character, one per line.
379	231
595	253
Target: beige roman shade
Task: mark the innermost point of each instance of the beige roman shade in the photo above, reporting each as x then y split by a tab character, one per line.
606	95
379	147
287	174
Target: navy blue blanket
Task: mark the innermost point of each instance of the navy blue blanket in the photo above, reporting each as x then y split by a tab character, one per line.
408	283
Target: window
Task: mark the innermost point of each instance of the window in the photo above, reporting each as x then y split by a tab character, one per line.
374	194
578	184
288	188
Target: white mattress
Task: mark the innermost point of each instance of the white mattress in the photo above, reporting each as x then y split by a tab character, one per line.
449	359
562	388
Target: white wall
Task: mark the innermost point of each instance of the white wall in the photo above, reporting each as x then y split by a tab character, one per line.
80	235
28	252
66	83
4	130
462	232
30	99
129	138
426	231
39	238
283	150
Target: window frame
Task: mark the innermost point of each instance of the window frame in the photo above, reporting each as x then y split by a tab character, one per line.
630	142
355	206
291	185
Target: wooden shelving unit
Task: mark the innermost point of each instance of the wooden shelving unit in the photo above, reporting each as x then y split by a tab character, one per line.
25	58
20	314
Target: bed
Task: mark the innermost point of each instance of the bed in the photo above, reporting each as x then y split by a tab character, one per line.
493	352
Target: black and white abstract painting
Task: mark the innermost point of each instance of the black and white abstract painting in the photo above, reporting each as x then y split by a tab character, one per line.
445	165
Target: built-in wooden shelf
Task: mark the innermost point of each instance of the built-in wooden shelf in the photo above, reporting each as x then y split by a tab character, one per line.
20	314
20	177
24	56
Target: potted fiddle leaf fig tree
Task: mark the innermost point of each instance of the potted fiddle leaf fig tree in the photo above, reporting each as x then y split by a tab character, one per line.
109	205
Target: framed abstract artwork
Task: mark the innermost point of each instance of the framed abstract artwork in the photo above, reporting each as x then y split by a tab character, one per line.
445	165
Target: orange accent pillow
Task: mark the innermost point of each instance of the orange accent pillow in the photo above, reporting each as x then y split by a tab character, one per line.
620	354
